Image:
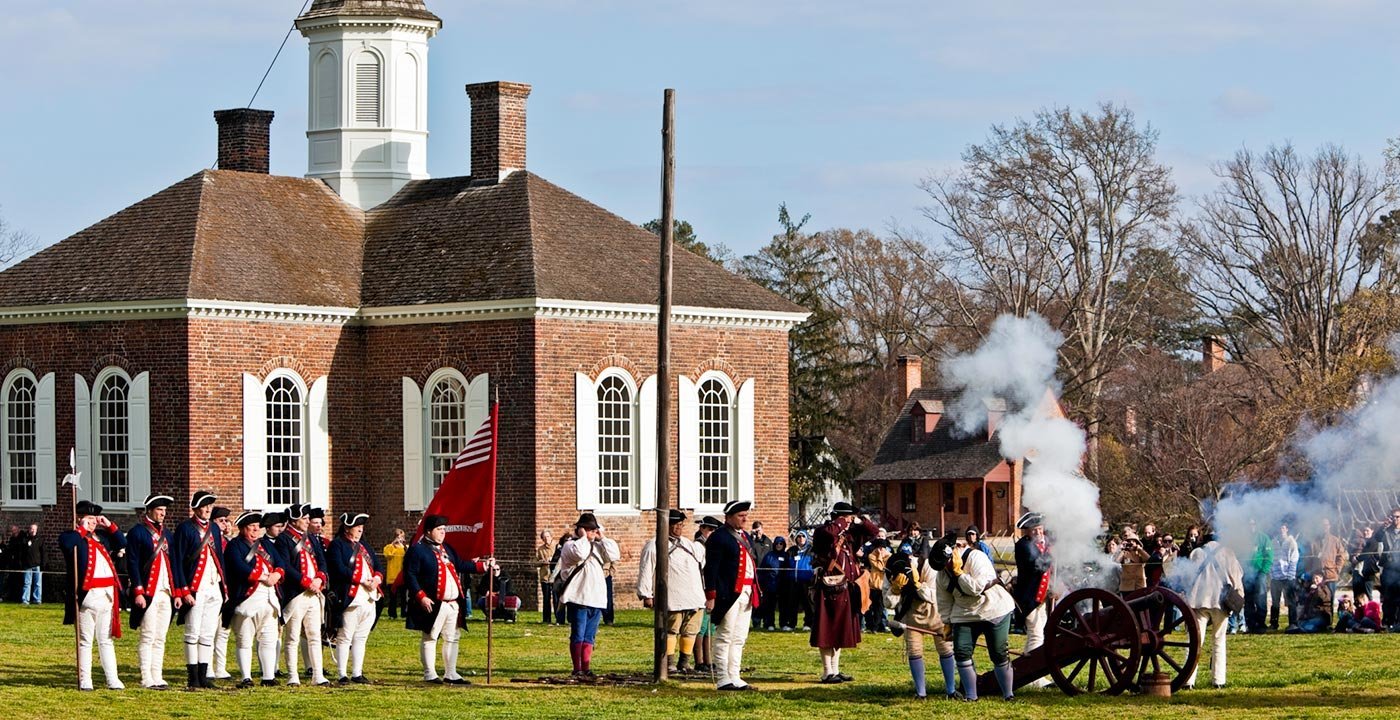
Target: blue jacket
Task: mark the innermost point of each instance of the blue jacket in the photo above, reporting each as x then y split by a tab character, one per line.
341	559
140	554
420	576
771	570
295	582
722	570
69	540
185	550
801	563
243	573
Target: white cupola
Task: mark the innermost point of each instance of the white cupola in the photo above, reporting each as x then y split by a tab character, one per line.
367	112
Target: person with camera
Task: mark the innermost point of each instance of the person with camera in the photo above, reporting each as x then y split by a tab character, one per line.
582	566
836	601
1218	572
1133	558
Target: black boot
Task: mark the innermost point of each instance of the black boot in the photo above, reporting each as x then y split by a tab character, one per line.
192	678
204	680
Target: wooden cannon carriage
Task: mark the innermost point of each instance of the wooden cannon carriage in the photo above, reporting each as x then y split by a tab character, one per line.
1098	642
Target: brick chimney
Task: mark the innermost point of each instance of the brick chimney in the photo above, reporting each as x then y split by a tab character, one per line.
244	139
498	130
911	374
1212	354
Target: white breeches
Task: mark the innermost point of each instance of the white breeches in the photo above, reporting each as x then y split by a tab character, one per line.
255	620
201	625
95	626
731	633
1216	619
150	647
445	627
303	617
350	639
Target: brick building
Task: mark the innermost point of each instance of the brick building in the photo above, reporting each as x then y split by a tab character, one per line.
926	471
334	339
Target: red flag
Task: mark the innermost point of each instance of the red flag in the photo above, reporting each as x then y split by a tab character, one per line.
467	496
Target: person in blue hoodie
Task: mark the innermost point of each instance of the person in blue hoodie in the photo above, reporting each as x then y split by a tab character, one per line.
793	585
770	571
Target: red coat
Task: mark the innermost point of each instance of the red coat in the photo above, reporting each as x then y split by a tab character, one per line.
835	610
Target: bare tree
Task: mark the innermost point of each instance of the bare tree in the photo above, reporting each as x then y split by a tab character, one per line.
1044	217
1291	262
15	244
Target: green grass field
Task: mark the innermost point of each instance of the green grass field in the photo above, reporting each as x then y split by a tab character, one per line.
1351	676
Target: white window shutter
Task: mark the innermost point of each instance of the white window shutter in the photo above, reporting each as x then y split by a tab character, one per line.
82	435
138	410
689	443
478	402
46	441
586	441
254	444
745	443
646	444
413	482
319	443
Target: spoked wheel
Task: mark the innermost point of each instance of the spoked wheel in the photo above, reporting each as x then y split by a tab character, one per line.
1093	643
1171	637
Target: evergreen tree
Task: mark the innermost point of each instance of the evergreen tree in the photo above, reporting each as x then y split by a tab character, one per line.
795	265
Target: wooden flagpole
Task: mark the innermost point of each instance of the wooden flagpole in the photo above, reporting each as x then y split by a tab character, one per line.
663	383
492	414
73	504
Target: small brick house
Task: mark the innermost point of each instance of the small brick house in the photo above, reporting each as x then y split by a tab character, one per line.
926	472
334	339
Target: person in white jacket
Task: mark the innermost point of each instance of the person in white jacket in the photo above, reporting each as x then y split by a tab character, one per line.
585	593
1216	565
685	590
972	598
911	592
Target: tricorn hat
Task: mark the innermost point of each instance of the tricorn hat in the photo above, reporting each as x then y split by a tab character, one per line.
219	512
155	501
1029	520
87	507
201	498
587	522
248	518
432	522
676	516
737	506
842	508
274	518
711	522
349	520
297	511
317	513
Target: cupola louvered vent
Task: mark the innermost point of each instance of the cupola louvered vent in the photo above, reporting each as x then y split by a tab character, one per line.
367	84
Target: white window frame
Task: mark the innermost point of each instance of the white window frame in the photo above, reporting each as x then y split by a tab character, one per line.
417	429
315	440
586	457
633	430
742	454
87	442
303	456
45	461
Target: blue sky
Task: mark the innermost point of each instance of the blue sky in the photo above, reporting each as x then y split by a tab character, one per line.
836	108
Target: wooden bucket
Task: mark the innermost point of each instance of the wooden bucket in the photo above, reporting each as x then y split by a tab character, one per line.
1157	685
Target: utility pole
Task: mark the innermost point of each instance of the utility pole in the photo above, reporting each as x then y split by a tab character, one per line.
663	383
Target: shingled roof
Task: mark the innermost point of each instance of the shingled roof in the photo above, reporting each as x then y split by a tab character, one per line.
941	455
235	236
370	8
445	241
216	235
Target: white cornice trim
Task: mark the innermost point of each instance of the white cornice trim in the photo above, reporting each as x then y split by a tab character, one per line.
579	310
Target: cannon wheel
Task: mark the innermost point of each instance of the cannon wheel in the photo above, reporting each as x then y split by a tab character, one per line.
1093	643
1166	650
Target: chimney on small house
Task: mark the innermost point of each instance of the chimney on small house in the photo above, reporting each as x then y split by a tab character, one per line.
911	374
1212	354
498	130
244	139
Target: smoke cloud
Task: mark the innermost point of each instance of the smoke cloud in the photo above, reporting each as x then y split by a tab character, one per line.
1016	364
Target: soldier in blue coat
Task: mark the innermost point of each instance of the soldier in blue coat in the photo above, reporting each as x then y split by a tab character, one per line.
731	593
433	575
197	548
254	606
303	593
87	552
153	588
356	579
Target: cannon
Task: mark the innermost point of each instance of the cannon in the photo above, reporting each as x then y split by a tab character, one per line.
1099	642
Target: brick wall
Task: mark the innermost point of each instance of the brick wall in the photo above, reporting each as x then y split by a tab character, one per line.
244	139
68	349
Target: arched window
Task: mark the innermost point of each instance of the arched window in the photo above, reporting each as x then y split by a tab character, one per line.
113	418
447	425
327	78
368	83
285	440
716	442
616	428
21	439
